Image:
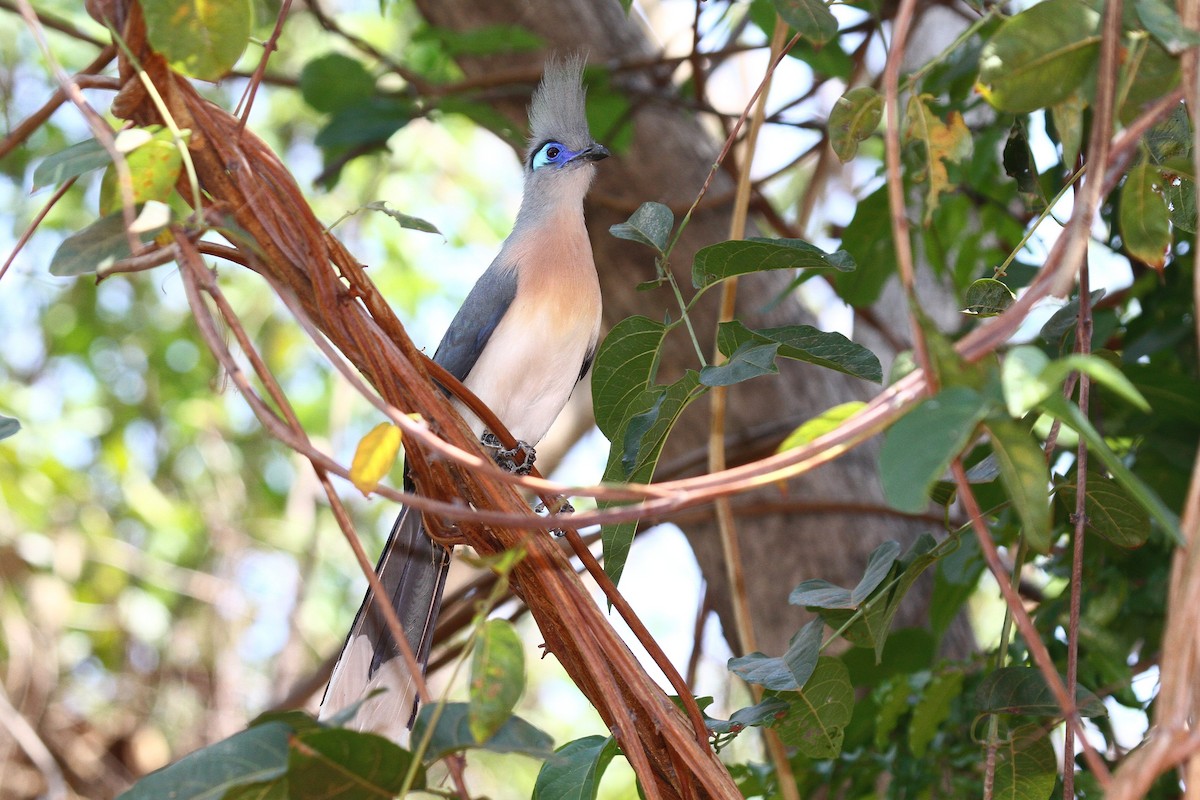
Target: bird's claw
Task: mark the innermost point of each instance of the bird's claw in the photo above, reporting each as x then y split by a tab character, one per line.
506	458
563	507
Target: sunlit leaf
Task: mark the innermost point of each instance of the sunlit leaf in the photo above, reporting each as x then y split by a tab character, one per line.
200	39
375	456
820	425
1040	56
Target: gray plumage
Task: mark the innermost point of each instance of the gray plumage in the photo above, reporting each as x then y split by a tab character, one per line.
558	111
524	336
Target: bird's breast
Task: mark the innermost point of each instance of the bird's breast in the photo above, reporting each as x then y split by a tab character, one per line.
531	363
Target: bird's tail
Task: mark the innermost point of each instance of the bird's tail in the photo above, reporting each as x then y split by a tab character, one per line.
413	571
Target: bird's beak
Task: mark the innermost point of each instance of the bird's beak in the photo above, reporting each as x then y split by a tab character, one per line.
596	152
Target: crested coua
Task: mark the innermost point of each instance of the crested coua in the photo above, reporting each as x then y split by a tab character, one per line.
523	339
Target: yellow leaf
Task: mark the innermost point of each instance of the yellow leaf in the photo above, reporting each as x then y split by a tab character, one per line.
821	425
375	456
942	143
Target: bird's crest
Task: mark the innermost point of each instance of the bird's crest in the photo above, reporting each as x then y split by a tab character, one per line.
557	111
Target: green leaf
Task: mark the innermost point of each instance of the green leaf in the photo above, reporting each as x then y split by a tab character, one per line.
8	426
878	618
1110	511
252	756
77	159
741	256
97	247
954	582
334	82
816	723
1163	23
750	360
635	451
920	445
820	425
452	733
575	769
988	297
650	225
854	117
405	221
1068	121
787	672
1065	318
497	677
1145	222
1026	767
818	593
368	123
1069	413
1028	377
200	39
1023	690
811	18
348	764
1026	478
868	240
623	370
485	40
154	167
805	343
932	709
1039	57
765	714
269	790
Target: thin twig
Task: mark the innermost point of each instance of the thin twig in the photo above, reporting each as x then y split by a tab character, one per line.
1083	346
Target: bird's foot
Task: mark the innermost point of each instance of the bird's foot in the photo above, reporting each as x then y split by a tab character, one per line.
507	459
560	505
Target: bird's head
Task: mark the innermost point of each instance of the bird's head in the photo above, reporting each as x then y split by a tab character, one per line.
561	149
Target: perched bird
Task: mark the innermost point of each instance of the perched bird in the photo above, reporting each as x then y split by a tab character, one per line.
523	338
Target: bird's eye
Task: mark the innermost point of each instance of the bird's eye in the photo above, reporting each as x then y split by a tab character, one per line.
550	153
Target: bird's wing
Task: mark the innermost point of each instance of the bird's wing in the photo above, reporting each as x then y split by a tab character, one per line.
475	322
413	572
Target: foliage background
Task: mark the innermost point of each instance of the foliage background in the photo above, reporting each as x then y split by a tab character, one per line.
169	571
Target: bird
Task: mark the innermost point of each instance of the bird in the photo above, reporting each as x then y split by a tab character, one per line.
523	339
